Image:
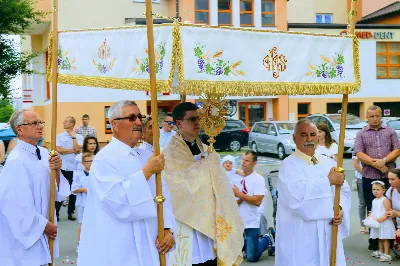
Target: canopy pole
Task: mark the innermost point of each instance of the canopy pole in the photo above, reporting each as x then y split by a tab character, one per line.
339	168
183	98
159	199
54	70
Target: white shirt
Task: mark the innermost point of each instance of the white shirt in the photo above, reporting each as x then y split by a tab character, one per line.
253	184
356	173
78	163
146	146
395	198
64	140
24	207
120	199
80	180
165	137
305	208
323	150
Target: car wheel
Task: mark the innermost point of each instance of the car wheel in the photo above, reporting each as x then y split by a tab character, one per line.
234	145
281	152
254	147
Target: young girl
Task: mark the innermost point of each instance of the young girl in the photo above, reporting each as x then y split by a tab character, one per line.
79	188
386	231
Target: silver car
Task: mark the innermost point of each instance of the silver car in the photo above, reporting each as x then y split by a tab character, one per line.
272	137
393	122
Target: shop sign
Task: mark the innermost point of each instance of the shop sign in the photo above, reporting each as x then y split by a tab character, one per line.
375	35
27	96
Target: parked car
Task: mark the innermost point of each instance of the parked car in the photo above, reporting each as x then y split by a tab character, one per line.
233	137
353	125
272	137
393	122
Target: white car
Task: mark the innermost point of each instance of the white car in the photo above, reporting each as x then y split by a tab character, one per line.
272	137
353	125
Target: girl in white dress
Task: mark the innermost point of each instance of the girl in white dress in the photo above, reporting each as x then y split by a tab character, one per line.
326	145
386	231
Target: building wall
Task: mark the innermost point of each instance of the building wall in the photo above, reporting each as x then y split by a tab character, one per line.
370	6
304	11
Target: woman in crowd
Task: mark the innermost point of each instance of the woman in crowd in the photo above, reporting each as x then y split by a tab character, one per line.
326	144
91	145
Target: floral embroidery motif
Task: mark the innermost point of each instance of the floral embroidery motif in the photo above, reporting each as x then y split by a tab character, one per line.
64	62
223	228
215	66
275	62
143	64
328	69
104	63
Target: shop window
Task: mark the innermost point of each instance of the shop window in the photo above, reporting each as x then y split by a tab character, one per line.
268	13
224	12
303	110
251	112
323	18
202	11
246	13
388	60
107	123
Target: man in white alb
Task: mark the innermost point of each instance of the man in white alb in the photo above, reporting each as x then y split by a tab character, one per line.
167	130
25	196
250	197
120	222
305	204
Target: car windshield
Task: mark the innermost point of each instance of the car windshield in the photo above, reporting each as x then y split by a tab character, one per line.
351	120
285	128
395	124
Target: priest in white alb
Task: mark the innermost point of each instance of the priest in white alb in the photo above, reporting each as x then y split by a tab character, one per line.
25	195
306	187
120	222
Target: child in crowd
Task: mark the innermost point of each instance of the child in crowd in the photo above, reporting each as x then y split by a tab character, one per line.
234	175
386	230
80	186
362	206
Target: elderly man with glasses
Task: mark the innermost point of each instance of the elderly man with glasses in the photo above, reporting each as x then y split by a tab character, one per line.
120	222
167	130
24	195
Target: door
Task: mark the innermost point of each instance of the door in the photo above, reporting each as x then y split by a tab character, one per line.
252	112
262	137
271	137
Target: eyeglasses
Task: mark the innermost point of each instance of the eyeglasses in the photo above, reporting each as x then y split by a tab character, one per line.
35	123
193	119
88	161
132	117
170	123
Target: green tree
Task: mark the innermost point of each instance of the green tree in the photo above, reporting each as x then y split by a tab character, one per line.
6	110
16	17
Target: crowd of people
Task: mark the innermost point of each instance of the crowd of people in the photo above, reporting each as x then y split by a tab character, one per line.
216	206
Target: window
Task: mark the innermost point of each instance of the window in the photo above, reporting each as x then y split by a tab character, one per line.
268	13
107	123
388	60
323	18
251	112
303	110
202	11
246	13
224	12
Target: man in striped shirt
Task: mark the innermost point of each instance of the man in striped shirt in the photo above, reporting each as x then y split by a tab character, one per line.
377	147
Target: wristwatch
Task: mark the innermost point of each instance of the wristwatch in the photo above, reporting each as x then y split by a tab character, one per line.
73	137
169	229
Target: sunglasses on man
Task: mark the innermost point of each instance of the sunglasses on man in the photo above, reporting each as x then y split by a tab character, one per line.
193	119
132	117
170	123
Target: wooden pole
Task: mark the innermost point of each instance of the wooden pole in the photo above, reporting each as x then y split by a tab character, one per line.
345	101
54	66
159	199
183	98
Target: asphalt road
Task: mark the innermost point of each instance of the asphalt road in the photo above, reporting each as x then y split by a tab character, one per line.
356	245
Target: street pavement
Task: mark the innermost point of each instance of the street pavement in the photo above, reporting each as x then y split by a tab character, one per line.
356	245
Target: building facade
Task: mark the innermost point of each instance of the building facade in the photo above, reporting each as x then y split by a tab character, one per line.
378	30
